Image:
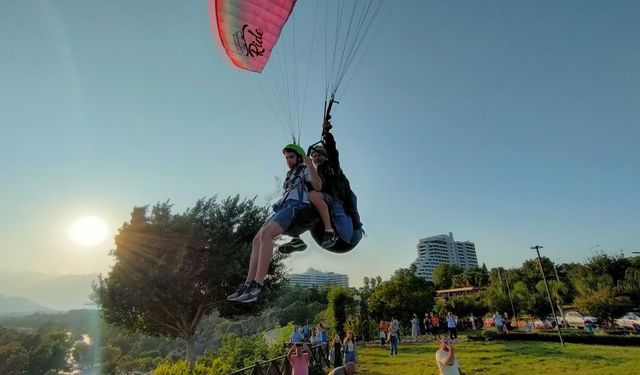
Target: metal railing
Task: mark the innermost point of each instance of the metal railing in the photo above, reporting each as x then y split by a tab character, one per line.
319	355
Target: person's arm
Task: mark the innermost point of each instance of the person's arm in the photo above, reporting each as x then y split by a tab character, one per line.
451	357
314	177
330	146
290	352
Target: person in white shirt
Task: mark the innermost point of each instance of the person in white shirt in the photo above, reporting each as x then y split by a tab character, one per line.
446	359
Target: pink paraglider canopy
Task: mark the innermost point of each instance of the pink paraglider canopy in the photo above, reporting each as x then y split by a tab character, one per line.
249	29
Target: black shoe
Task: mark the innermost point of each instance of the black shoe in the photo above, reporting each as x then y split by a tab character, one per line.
239	292
329	239
296	244
252	293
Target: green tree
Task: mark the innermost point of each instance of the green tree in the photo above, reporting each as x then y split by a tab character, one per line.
443	275
496	299
603	304
171	269
401	296
630	286
340	304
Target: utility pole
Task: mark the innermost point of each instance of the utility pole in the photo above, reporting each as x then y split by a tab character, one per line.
564	320
513	310
544	278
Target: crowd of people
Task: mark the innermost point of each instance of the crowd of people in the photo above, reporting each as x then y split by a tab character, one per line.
342	351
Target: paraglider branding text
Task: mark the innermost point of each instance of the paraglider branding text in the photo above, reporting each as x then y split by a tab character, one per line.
249	41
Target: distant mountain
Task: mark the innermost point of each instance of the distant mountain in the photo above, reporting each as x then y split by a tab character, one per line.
63	292
20	305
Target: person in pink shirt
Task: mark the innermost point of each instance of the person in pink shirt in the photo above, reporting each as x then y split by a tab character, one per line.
299	359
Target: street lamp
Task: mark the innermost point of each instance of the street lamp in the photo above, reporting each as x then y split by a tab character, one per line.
546	286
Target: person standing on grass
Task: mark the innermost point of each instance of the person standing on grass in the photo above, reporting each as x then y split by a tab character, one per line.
451	325
446	359
499	321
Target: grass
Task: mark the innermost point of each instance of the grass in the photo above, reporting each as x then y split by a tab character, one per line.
515	357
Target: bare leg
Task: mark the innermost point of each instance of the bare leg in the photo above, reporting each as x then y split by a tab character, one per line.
267	234
253	261
318	202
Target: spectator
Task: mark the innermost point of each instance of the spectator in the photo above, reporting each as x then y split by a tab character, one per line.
507	322
382	334
348	369
324	337
426	324
451	325
435	325
446	359
296	336
499	321
299	358
415	326
393	336
335	354
349	348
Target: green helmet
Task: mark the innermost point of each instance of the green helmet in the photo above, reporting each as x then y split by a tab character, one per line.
295	148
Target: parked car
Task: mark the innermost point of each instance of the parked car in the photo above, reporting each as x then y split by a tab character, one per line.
628	320
551	321
541	324
576	319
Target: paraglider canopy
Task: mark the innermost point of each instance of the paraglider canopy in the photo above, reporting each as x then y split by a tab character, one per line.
249	29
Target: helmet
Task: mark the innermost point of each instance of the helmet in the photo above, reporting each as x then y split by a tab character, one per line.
295	148
319	148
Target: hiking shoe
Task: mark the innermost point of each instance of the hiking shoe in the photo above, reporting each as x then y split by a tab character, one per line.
252	293
239	292
296	244
329	239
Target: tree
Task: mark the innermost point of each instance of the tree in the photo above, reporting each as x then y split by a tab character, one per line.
443	274
496	299
171	269
630	286
603	304
401	296
340	304
471	276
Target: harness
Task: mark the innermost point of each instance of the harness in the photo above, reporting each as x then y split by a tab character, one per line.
293	181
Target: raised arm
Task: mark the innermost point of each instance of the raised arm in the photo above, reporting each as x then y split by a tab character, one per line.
330	146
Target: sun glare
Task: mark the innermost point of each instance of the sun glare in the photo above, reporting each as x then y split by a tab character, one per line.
88	231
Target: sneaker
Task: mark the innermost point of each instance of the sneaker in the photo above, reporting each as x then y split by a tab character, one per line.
239	292
329	239
296	244
252	293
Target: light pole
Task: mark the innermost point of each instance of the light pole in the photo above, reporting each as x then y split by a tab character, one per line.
546	286
564	321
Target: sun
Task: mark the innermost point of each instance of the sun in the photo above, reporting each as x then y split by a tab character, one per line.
88	231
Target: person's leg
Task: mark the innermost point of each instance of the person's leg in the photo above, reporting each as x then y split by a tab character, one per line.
317	200
343	223
253	261
267	234
253	265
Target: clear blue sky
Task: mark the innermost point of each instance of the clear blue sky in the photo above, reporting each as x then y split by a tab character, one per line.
508	123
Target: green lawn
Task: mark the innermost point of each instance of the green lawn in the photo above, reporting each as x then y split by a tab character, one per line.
517	357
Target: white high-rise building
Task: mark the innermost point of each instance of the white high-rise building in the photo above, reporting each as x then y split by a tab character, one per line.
313	277
443	249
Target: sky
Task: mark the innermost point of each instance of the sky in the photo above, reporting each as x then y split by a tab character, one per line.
508	123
